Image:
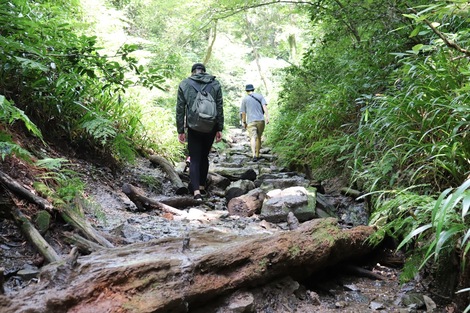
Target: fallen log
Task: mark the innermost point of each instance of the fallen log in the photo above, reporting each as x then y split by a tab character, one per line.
34	236
247	204
69	214
76	219
143	202
179	202
83	245
161	276
169	169
21	191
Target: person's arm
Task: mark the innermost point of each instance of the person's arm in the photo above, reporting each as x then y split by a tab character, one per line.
266	114
243	120
243	113
219	100
180	114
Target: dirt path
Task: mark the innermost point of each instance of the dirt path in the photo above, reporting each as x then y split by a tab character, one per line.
343	289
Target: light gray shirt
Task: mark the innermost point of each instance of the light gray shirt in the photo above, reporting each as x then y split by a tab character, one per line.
252	108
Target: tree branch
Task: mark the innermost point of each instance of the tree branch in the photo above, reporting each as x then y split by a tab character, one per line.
447	41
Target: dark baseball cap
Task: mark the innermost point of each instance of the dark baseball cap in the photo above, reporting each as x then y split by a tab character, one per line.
198	66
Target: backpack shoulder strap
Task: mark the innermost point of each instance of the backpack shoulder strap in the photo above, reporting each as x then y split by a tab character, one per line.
259	101
194	84
255	98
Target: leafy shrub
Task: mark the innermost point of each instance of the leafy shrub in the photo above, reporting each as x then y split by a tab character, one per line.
61	81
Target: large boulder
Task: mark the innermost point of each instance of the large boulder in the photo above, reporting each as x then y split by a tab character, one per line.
298	200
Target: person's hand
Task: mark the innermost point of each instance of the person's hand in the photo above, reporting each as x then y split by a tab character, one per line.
182	138
267	120
218	136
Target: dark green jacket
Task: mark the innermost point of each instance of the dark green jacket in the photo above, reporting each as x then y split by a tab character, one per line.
187	94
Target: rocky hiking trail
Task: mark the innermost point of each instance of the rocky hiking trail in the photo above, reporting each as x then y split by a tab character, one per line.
264	240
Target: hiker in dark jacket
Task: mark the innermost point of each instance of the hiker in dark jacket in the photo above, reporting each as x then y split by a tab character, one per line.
199	144
254	114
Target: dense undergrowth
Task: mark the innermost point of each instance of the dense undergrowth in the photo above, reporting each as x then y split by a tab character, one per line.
385	99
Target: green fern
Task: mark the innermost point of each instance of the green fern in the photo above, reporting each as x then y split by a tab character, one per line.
10	114
51	164
100	128
7	148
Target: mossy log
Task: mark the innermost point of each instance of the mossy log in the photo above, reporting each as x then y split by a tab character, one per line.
161	276
33	235
79	222
24	193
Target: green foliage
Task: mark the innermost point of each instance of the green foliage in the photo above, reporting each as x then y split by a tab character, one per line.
10	114
386	97
398	212
58	76
8	147
439	229
395	112
59	183
448	223
418	134
322	101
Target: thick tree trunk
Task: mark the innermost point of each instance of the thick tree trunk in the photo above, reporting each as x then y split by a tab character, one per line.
164	277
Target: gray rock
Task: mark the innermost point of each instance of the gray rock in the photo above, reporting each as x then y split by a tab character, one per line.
242	302
413	300
298	200
28	273
292	221
430	304
376	306
238	188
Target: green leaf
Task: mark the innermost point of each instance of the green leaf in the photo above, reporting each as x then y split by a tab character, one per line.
465	205
414	233
28	63
444	237
415	32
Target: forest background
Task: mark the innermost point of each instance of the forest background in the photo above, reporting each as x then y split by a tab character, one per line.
374	91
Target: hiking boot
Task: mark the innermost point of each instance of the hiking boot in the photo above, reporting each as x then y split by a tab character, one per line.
255	159
198	198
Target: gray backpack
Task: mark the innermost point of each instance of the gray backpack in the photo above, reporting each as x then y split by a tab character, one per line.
201	115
